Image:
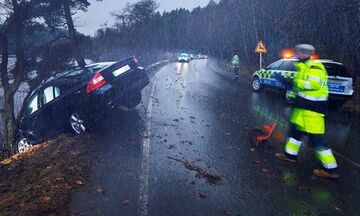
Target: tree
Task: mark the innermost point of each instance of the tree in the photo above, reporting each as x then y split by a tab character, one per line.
13	28
24	33
58	14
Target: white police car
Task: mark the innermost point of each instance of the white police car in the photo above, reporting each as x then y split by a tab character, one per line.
340	81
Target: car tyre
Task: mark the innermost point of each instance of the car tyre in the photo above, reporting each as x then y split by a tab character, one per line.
256	85
78	123
23	145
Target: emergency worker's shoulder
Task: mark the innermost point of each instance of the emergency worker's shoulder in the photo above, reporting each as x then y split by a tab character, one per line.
316	65
299	66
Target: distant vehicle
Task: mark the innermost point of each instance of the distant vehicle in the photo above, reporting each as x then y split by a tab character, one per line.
76	99
192	56
340	82
201	56
184	57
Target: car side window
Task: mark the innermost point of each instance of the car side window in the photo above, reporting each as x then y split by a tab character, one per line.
32	105
49	94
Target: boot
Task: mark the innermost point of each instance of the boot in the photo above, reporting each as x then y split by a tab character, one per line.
282	156
324	174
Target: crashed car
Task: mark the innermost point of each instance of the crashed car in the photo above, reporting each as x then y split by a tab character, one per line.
74	100
340	81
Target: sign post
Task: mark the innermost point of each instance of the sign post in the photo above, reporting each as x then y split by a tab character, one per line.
260	48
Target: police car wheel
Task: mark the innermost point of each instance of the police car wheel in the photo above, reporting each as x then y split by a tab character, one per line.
256	84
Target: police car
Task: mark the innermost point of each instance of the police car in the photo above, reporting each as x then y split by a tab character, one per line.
340	81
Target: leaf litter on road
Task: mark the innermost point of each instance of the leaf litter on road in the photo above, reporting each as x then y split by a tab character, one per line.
49	172
211	179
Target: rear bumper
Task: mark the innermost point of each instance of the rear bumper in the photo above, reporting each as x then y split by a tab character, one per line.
110	95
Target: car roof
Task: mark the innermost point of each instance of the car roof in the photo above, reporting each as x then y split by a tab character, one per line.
62	75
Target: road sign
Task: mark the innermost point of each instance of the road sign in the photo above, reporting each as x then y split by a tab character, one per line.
260	48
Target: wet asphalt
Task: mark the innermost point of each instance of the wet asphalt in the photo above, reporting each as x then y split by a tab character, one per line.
185	150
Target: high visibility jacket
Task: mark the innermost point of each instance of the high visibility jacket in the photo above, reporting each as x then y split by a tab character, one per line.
235	60
310	83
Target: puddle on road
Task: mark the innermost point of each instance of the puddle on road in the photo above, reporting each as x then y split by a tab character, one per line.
214	180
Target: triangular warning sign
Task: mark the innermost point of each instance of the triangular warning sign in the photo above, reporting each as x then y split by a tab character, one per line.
260	48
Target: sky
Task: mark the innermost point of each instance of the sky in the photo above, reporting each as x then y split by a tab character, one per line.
99	12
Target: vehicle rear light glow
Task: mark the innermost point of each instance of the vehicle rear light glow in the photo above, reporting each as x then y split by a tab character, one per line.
96	82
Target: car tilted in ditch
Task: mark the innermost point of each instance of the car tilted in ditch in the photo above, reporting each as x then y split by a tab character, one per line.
74	100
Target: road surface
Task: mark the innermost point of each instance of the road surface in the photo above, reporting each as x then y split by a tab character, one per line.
185	151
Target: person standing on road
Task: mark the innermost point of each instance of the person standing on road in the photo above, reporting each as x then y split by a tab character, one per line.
310	105
235	63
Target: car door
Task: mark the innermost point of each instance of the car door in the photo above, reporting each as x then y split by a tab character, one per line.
29	119
274	70
49	115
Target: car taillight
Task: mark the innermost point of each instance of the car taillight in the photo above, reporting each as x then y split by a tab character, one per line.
96	82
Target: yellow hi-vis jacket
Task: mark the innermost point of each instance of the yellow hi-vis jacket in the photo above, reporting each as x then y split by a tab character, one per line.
310	83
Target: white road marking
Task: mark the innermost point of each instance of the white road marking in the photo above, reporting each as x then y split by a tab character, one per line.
144	171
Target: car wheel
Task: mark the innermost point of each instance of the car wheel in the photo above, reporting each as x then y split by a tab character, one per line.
256	85
23	145
77	123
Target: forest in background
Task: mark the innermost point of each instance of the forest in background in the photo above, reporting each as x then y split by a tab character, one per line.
220	29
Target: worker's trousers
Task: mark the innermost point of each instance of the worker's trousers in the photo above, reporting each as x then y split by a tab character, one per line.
322	151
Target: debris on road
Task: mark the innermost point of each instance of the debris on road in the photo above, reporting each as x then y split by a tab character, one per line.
125	202
187	142
210	178
172	146
199	196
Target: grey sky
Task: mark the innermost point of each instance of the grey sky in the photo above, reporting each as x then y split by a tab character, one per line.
99	12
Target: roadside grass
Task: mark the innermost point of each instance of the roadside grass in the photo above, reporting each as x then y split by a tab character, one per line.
40	181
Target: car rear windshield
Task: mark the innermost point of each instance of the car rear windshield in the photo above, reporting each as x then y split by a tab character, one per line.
336	70
275	65
288	65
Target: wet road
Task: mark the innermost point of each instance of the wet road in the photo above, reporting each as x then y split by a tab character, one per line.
185	151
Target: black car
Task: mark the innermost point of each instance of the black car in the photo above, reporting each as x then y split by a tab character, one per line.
74	100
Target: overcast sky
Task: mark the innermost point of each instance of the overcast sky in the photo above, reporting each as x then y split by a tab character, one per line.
99	12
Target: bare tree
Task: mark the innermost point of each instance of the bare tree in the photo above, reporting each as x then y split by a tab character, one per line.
12	77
